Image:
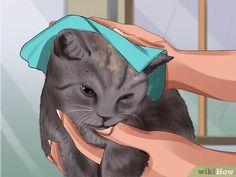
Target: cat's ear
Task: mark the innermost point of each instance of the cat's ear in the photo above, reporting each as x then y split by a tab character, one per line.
70	44
162	59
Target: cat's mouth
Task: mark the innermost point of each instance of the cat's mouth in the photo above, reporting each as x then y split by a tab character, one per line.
96	127
102	126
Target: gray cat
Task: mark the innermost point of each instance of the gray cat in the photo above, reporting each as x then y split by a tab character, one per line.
96	87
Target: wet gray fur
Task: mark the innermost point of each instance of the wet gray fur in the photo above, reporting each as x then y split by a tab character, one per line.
92	83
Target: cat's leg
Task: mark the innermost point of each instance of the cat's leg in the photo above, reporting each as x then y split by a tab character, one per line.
75	163
123	161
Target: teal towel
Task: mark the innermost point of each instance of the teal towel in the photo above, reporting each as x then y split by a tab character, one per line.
37	51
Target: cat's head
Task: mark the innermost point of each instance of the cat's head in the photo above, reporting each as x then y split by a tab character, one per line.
92	83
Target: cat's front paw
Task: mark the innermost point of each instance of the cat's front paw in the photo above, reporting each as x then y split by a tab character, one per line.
122	161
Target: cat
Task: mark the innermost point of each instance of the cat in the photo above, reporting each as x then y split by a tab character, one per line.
97	88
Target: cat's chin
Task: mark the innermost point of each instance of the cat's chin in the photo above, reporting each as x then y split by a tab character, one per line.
100	127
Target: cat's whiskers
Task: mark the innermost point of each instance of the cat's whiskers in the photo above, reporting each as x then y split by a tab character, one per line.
90	122
76	110
80	119
133	115
84	122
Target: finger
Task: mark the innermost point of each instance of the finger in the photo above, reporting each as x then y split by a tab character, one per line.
128	29
55	156
121	29
108	23
146	37
150	172
88	150
142	34
138	41
130	136
132	38
130	33
139	32
50	158
118	31
52	23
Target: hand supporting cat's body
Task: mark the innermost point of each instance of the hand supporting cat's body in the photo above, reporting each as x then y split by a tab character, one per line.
89	81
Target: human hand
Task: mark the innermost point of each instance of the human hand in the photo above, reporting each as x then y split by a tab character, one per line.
54	155
137	35
193	64
161	147
117	134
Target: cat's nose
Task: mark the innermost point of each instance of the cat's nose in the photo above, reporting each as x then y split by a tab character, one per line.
104	117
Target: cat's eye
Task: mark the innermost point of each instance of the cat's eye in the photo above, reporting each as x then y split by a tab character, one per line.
127	96
87	91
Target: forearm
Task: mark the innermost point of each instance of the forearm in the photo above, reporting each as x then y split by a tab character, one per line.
208	73
185	156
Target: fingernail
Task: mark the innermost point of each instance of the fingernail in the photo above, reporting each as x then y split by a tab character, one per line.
118	31
50	142
105	132
49	157
58	113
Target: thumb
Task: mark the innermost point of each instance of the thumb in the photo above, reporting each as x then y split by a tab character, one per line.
126	135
